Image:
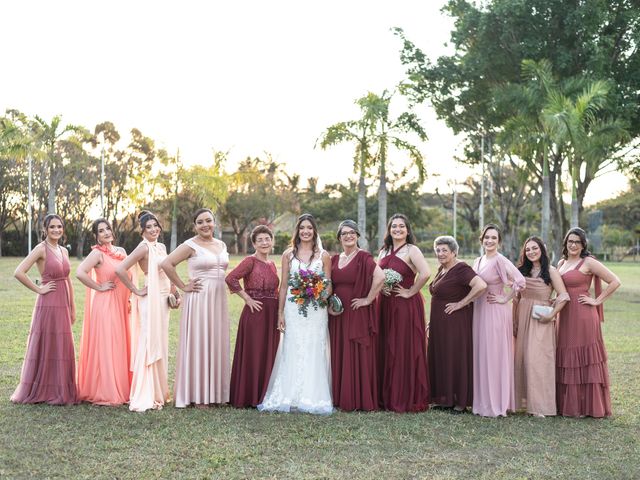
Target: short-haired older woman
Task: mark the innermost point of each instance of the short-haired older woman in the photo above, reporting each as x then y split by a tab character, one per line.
582	376
258	335
450	350
354	332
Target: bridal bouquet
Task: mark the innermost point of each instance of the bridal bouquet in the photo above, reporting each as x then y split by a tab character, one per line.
391	279
308	288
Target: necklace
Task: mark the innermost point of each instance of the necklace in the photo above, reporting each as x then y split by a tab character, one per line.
344	258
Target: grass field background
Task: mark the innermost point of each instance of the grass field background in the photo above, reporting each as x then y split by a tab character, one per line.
85	441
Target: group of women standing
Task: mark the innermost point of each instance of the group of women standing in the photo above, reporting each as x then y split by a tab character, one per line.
376	352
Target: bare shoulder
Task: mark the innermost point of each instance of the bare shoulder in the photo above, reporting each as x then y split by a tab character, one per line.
287	253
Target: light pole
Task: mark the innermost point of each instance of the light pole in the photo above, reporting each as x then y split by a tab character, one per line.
102	178
29	201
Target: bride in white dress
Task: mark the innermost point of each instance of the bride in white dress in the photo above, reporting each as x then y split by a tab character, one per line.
301	376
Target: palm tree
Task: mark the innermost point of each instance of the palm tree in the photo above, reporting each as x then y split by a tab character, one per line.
359	132
48	135
389	132
575	121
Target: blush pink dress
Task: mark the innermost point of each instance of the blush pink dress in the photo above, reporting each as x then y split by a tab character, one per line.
203	358
493	359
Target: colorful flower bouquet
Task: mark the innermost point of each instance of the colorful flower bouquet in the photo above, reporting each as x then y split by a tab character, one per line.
391	279
308	288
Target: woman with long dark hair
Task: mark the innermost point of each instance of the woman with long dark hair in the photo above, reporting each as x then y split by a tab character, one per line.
301	375
49	368
535	352
104	376
582	376
403	338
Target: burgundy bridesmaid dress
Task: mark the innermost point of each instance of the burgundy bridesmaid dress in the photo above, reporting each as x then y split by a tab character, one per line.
405	376
353	336
258	335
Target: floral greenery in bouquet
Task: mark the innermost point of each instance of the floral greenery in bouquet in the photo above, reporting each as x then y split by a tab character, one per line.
391	279
308	289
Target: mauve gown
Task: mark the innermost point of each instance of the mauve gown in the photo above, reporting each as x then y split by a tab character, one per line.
202	369
403	340
104	376
582	377
49	368
258	335
493	382
451	340
353	335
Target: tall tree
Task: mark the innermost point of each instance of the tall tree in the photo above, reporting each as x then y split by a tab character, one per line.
49	134
389	132
359	132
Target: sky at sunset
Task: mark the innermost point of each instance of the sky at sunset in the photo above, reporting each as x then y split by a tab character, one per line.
246	77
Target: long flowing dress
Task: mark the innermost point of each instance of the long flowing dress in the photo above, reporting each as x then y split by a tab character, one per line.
353	335
104	375
451	340
258	336
203	362
535	355
493	383
150	338
582	375
48	372
403	340
301	375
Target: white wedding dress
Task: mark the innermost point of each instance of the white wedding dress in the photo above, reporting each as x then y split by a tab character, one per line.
301	375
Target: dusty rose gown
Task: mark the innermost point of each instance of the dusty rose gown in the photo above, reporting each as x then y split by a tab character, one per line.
203	358
403	340
104	375
258	335
493	382
150	337
48	372
582	376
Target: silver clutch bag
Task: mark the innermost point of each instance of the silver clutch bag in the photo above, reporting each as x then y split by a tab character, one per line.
335	303
541	310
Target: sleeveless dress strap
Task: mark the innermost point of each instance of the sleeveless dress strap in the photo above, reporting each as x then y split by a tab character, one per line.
394	251
580	264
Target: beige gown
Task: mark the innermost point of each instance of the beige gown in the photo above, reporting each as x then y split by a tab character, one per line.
535	369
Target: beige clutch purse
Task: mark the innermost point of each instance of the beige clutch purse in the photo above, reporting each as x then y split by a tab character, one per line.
540	310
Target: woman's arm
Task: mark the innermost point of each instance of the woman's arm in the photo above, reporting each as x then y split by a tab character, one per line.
326	267
562	296
38	253
424	273
140	253
93	260
610	278
478	287
242	271
169	264
284	285
513	275
376	286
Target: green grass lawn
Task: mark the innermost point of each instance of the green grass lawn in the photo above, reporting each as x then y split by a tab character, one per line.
85	441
